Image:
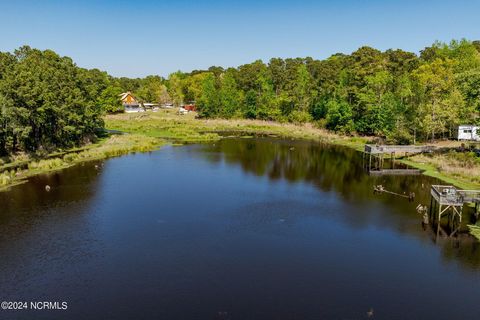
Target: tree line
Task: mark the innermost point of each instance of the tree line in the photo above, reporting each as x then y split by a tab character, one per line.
48	102
395	94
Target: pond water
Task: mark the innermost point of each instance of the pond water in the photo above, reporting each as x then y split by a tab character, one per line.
240	229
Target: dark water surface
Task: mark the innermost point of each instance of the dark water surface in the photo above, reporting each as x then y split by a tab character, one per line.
240	229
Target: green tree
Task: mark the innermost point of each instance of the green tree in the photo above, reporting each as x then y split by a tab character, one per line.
175	88
109	99
209	103
439	98
339	116
231	97
193	86
394	94
250	105
378	103
266	108
469	84
302	89
150	90
49	102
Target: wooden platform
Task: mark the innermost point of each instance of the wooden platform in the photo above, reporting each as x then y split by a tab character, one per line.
449	201
449	195
374	158
409	149
395	172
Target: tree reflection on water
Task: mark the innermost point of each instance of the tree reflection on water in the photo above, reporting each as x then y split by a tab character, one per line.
339	169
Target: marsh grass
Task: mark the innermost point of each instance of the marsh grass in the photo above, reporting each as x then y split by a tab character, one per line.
147	131
111	147
186	128
459	168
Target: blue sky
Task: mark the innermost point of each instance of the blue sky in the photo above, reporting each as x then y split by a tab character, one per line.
137	38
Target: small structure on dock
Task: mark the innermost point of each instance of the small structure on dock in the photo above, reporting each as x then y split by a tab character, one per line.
376	158
449	201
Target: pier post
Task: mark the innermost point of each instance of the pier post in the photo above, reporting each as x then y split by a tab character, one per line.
430	207
477	210
439	218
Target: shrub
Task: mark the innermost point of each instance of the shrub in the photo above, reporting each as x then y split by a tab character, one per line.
299	117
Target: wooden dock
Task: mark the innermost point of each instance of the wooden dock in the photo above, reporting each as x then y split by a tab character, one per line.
397	149
374	158
395	172
449	201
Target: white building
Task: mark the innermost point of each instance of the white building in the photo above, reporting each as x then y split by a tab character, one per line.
469	132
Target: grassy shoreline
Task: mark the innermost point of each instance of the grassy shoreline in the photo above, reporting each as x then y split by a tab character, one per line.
187	129
184	129
429	169
149	130
168	125
16	173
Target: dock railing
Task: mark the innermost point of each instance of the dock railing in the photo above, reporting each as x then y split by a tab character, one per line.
450	195
470	195
379	149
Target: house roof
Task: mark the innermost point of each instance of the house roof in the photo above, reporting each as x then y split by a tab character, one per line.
125	94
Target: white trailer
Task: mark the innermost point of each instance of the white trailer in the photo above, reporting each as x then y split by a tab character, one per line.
469	132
